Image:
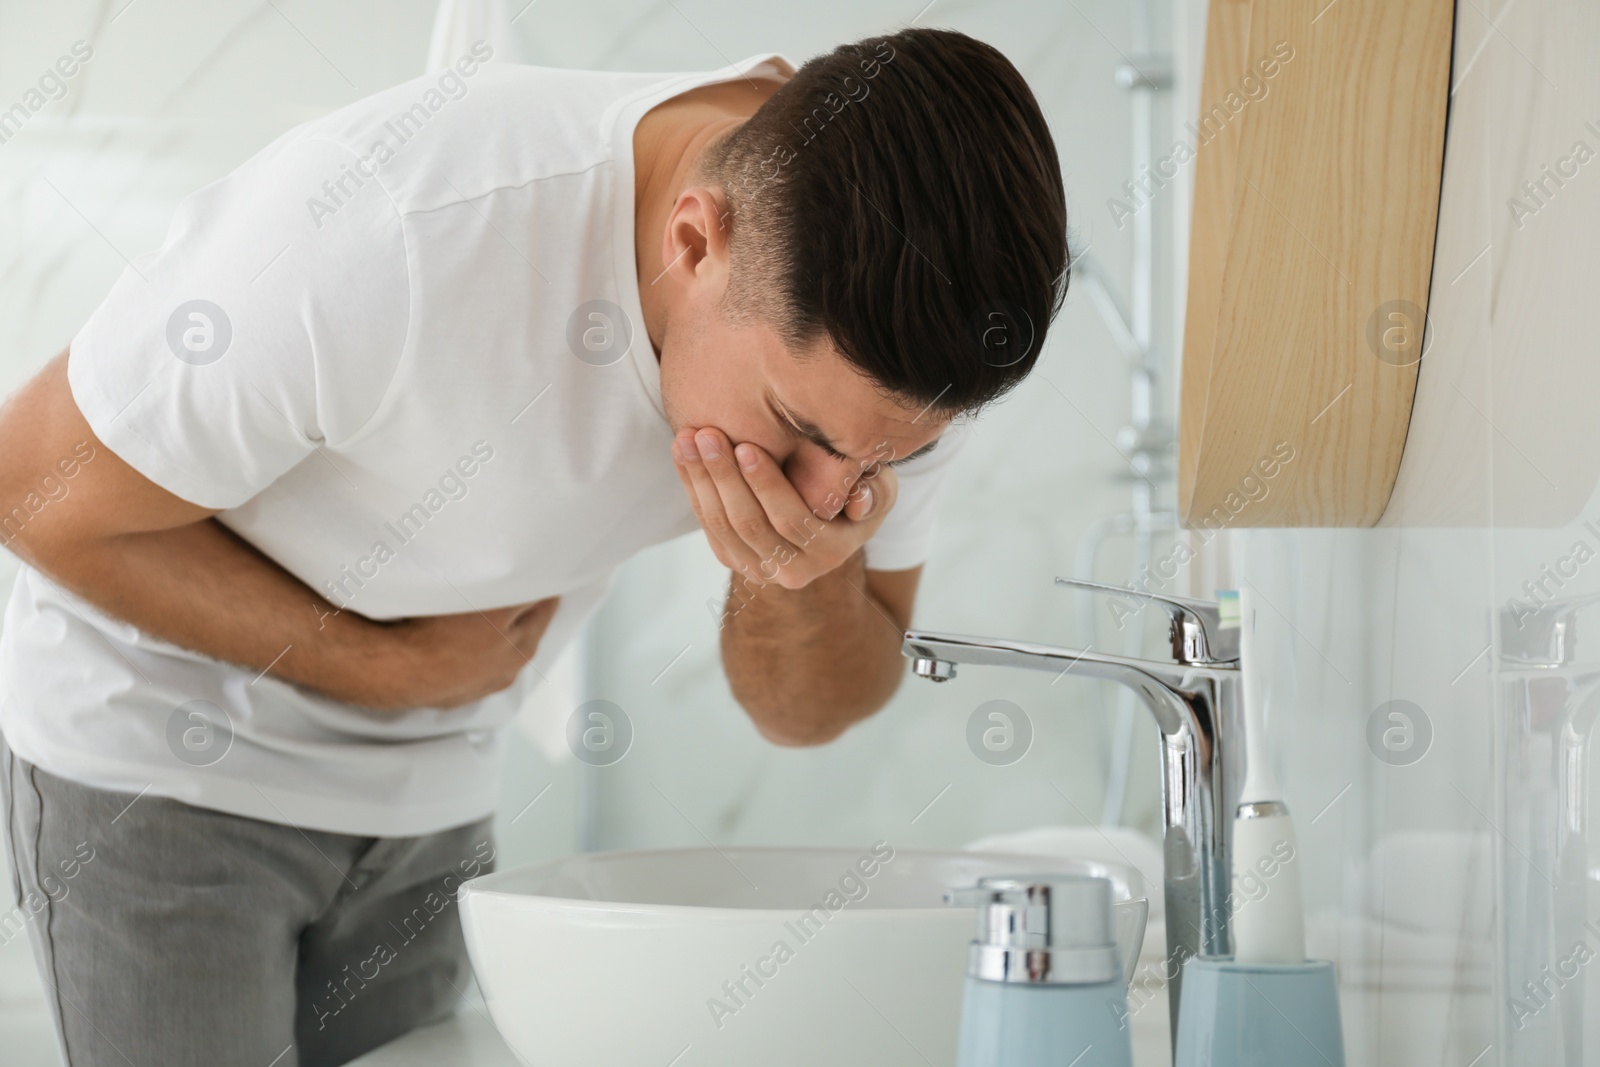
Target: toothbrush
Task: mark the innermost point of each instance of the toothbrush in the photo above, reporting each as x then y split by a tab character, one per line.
1268	917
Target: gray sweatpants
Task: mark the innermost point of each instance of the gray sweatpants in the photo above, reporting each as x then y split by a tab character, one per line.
174	936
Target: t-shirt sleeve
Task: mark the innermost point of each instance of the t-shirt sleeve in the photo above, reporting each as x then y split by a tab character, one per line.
903	539
269	323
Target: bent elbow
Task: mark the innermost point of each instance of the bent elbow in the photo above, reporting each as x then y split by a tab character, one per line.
798	733
811	725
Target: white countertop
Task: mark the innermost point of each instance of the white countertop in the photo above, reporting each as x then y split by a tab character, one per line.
466	1039
469	1039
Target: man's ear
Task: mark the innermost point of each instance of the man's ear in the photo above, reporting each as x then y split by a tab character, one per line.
694	245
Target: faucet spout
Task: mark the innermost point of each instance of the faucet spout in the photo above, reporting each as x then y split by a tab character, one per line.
1196	709
934	656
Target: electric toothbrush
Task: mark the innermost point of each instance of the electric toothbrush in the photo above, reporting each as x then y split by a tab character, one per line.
1268	917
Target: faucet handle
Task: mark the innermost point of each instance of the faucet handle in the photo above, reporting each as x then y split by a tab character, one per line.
1198	636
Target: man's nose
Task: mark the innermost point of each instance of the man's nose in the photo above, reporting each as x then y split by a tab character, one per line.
825	485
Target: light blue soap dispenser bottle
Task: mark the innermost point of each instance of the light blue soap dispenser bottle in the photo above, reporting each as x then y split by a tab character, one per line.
1044	977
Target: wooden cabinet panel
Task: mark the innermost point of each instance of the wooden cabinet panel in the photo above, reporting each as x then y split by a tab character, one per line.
1315	211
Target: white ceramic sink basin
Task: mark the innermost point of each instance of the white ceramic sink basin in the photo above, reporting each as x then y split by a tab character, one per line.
740	956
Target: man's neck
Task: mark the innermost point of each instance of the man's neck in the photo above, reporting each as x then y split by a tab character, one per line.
667	143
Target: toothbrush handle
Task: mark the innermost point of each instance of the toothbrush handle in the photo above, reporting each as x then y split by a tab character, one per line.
1268	913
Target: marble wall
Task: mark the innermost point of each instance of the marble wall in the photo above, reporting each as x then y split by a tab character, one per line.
1441	875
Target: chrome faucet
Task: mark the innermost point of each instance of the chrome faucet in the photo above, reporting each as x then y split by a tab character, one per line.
1195	701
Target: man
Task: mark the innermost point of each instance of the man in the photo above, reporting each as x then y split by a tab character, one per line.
327	480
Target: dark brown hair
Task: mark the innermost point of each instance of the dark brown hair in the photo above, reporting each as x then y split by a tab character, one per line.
902	196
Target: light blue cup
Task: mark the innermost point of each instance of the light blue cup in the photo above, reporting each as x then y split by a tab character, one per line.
1258	1015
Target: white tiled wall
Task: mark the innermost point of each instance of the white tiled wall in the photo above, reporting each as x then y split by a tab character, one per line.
26	1032
1409	866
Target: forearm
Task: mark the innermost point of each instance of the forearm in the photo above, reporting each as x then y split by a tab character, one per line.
145	556
806	663
201	587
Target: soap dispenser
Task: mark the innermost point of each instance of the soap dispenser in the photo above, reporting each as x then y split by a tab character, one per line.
1045	986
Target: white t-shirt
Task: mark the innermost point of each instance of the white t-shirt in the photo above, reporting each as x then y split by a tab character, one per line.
369	359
